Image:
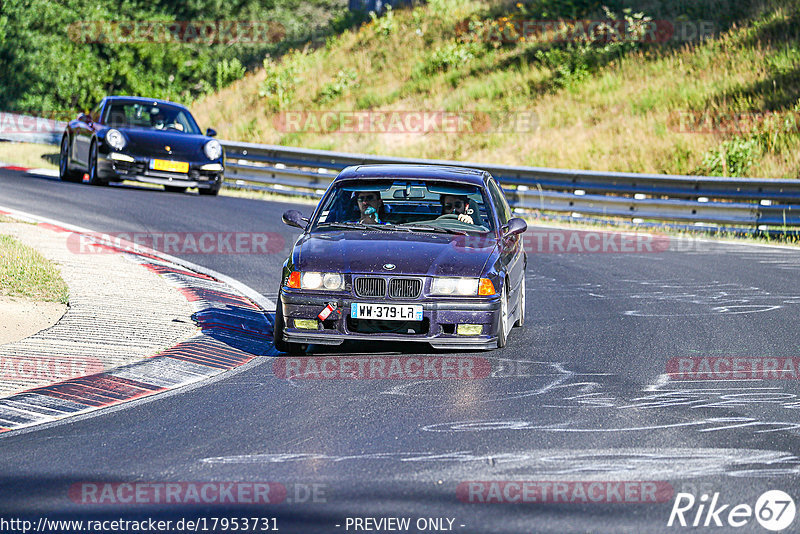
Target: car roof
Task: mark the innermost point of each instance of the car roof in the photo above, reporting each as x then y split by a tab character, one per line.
142	100
464	175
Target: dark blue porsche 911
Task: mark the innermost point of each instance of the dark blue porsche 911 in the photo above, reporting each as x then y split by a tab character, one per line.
145	140
404	253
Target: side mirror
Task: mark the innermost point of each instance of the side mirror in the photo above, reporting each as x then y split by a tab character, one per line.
295	218
85	117
515	226
211	132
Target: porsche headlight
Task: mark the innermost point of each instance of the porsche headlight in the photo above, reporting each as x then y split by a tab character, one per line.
115	139
454	286
213	149
327	281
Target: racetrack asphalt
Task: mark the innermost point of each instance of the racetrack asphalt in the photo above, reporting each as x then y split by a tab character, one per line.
579	395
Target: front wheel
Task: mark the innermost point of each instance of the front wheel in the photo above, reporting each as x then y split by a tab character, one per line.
211	191
521	300
94	176
64	172
502	325
174	189
277	334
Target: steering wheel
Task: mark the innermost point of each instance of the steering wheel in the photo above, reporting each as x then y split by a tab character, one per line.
453	216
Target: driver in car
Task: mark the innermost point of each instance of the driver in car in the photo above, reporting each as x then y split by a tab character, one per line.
457	205
158	121
371	208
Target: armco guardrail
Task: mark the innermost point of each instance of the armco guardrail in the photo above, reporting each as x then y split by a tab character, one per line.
698	199
734	201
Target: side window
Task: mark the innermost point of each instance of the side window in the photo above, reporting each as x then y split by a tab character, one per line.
95	114
499	199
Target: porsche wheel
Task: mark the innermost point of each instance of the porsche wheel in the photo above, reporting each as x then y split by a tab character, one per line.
94	177
64	172
174	189
211	191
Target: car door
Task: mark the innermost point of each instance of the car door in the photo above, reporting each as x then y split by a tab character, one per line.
511	252
84	132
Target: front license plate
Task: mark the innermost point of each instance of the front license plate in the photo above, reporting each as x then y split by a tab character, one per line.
169	166
386	312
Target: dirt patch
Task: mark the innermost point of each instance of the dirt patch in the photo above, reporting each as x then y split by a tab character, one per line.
21	318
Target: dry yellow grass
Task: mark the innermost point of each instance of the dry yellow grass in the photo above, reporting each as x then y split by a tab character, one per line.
29	155
615	119
26	273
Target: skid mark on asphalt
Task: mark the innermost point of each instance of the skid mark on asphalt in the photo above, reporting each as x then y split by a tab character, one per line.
567	464
683	298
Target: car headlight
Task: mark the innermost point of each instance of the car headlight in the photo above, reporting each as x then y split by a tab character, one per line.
454	286
115	139
327	281
213	149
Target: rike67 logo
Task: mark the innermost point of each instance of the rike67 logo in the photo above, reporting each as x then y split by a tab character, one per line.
774	510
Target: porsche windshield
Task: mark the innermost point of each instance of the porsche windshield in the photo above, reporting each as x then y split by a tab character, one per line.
151	116
406	205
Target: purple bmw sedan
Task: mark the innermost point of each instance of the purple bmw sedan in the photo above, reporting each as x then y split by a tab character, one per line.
404	253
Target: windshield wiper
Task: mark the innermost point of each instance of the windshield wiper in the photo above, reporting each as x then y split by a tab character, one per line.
435	229
357	225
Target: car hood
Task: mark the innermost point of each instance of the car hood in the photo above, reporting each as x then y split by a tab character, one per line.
154	142
410	253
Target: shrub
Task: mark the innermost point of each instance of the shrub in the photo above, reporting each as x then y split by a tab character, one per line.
732	158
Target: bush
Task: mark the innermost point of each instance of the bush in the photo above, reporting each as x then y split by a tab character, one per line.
228	72
451	55
344	80
279	86
383	26
732	158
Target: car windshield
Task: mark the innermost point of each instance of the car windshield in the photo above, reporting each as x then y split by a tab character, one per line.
154	116
405	205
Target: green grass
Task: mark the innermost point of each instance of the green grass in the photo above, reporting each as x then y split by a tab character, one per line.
26	273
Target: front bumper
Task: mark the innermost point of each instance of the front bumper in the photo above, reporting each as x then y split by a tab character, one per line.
139	171
439	319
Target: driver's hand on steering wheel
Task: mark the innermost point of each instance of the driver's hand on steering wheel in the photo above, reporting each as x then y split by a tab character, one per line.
465	218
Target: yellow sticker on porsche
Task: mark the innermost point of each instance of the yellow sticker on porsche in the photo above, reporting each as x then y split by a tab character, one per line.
169	166
386	312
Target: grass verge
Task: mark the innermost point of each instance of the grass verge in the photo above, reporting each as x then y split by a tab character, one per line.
29	155
26	273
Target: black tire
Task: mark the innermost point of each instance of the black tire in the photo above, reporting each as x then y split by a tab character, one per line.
174	189
94	177
280	344
64	172
502	323
211	192
521	318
